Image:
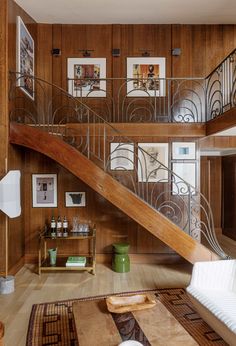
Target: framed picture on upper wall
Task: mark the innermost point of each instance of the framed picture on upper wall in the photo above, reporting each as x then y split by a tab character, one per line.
153	162
44	188
84	76
183	151
144	74
25	59
75	199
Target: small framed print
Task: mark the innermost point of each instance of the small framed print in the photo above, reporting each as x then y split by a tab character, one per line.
25	59
122	156
85	77
44	188
75	199
183	150
187	171
153	162
146	77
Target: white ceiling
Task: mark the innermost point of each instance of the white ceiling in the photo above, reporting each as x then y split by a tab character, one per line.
131	11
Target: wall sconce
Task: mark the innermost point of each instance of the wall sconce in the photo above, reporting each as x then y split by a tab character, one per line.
10	194
146	52
86	52
56	52
176	51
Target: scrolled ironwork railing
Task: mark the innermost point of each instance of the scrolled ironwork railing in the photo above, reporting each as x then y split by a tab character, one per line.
221	87
143	100
138	167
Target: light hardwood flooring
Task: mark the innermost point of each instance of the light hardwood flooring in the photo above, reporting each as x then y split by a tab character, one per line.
31	289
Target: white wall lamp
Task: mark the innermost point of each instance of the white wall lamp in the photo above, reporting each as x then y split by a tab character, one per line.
10	194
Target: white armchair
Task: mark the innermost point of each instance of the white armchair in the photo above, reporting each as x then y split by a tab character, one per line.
212	291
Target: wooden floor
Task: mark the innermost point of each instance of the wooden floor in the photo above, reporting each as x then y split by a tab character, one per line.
15	308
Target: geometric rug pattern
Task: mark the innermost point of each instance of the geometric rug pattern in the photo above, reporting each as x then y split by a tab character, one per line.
52	323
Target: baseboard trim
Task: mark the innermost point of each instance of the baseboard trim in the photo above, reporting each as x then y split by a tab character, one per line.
134	258
17	266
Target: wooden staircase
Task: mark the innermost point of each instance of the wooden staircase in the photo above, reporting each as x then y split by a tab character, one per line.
111	189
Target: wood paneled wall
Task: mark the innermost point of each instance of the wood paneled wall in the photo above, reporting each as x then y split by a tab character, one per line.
203	47
3	125
211	186
229	196
16	227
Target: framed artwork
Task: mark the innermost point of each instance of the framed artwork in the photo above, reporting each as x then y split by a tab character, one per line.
143	72
25	58
183	150
75	199
122	156
187	171
84	77
44	187
150	155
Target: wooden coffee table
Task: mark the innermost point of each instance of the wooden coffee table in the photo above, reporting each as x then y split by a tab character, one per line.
95	326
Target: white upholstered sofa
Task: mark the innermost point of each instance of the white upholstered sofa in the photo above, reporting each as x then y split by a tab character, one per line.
212	291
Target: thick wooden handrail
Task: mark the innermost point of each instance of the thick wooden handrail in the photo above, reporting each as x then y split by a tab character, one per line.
112	190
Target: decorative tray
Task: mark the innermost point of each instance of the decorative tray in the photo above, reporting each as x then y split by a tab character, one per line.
135	302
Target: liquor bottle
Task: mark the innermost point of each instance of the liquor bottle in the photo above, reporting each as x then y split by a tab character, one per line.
59	227
53	227
65	227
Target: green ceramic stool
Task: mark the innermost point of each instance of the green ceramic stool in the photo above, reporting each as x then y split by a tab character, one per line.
120	260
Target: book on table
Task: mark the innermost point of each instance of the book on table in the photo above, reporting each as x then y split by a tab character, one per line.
76	261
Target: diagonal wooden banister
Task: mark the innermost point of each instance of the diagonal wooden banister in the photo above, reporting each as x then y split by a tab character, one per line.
112	190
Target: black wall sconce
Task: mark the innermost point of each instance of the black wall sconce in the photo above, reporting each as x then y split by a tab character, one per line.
116	52
86	52
56	52
146	52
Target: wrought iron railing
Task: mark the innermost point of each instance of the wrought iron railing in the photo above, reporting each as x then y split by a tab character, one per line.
140	168
153	100
221	87
143	100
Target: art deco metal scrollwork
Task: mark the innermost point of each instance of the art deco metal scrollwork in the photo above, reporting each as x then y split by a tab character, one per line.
57	112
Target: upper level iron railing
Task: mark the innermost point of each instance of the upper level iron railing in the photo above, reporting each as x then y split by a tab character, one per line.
146	99
146	170
221	87
143	100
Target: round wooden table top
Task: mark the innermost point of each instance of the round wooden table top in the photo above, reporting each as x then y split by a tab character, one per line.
1	330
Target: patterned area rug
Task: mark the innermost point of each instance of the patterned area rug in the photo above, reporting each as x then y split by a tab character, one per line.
52	323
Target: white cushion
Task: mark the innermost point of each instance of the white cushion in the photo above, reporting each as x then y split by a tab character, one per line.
221	304
215	275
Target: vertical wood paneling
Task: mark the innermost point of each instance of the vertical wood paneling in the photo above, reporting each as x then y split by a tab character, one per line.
229	196
211	186
203	48
16	235
57	60
135	39
3	124
182	38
